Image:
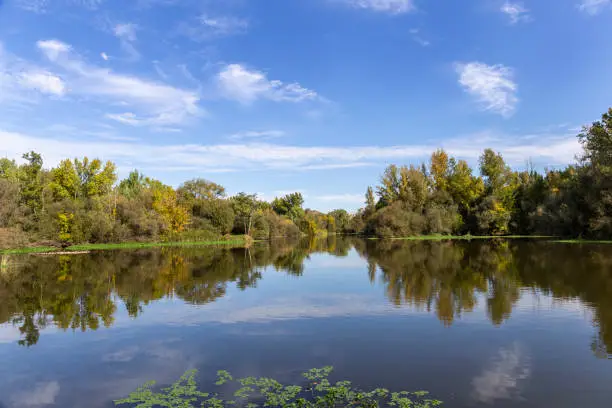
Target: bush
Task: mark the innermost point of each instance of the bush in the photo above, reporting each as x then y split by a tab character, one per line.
219	214
396	221
442	220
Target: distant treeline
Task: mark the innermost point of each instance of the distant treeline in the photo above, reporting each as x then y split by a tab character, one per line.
81	200
446	197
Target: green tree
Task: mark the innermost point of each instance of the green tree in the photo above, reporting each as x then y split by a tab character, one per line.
290	206
133	185
244	206
95	179
65	182
200	188
439	170
31	182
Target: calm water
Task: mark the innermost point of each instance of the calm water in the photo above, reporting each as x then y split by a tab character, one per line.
504	324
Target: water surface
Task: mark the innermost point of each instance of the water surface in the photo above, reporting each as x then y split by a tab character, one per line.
495	323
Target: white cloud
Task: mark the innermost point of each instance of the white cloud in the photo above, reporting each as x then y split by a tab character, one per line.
21	82
53	48
516	12
44	82
221	25
35	6
492	85
126	33
152	103
385	6
543	149
241	84
208	26
594	7
43	394
503	377
255	134
416	36
342	198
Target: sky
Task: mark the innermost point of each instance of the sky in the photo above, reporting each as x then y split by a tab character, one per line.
315	96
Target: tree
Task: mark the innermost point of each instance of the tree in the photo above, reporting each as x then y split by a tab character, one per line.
341	219
439	169
596	142
290	206
165	203
463	187
133	185
31	183
370	201
65	182
244	206
200	188
95	180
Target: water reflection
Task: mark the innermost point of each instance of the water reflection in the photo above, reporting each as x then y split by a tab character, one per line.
84	292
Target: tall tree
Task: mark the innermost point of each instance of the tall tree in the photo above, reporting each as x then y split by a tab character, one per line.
290	206
245	206
31	182
200	188
439	170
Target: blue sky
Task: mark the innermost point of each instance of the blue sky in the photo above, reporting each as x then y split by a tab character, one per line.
318	96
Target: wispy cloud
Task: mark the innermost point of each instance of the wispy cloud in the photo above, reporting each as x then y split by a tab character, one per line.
246	86
23	82
223	25
594	7
492	85
384	6
418	38
43	81
516	12
126	33
210	26
543	149
35	6
257	134
42	6
151	103
342	198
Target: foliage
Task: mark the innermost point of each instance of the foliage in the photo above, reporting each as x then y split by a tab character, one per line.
267	392
573	202
290	206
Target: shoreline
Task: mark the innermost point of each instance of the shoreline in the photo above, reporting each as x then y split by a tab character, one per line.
80	248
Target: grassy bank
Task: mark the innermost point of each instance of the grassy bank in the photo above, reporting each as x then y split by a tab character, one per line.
234	241
461	237
582	241
27	250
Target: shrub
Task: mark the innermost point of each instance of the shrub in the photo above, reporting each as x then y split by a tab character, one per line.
396	221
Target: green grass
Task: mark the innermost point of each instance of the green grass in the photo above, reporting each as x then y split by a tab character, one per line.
136	245
464	237
28	250
236	241
582	241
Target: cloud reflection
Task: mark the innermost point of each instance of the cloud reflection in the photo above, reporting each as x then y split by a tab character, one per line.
502	377
43	394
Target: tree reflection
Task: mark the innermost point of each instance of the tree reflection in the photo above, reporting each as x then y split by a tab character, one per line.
446	278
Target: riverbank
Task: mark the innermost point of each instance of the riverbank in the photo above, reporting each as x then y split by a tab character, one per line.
238	241
461	237
583	241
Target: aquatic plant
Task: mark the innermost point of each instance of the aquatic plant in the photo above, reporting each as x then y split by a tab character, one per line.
252	392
